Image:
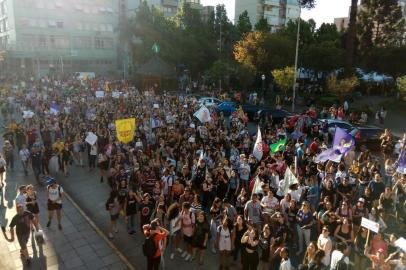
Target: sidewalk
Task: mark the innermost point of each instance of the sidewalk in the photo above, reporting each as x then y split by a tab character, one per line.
77	246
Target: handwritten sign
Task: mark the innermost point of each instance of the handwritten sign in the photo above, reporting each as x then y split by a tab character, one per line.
115	94
156	106
370	225
91	138
401	243
100	94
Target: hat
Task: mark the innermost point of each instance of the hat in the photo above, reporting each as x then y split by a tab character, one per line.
361	200
51	181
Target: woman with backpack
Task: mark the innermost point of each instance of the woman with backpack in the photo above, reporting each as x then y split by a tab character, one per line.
188	226
224	243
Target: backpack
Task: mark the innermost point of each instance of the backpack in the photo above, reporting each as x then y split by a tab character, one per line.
149	248
342	265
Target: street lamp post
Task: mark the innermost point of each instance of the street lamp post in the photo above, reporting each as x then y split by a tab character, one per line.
263	85
296	58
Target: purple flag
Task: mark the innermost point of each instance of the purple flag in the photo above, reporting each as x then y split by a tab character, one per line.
343	142
54	109
328	154
401	163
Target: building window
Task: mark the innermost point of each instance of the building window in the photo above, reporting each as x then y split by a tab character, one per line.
42	23
59	24
52	43
42	42
52	24
98	43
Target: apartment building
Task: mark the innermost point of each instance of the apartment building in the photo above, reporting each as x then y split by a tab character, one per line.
277	12
47	36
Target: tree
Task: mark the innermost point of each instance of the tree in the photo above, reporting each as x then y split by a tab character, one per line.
244	24
351	38
284	78
263	26
380	23
402	85
262	52
307	31
389	60
327	32
323	57
341	87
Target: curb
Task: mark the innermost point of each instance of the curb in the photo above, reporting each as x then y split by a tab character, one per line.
100	233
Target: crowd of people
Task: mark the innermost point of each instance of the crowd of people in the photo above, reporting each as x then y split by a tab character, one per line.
191	188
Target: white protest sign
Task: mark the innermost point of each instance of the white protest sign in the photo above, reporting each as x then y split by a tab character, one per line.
91	138
401	243
156	106
99	94
370	225
27	114
115	94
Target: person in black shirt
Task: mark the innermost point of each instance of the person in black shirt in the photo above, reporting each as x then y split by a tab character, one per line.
22	222
146	208
344	190
36	162
131	210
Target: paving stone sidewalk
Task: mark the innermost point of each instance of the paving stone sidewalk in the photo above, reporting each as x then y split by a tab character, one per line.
77	246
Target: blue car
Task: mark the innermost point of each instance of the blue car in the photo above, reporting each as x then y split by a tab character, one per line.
226	107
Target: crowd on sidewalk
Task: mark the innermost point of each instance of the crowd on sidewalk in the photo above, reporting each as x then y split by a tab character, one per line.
191	183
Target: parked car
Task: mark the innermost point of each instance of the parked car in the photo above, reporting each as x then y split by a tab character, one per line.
277	115
209	101
226	107
333	123
368	136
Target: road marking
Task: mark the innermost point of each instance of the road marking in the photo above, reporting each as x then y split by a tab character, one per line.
100	233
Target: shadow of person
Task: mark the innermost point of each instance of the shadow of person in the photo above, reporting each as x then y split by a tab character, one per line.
10	193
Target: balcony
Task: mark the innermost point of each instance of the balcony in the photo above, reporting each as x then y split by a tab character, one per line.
173	3
271	2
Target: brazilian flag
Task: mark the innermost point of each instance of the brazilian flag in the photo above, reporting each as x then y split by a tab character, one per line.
279	146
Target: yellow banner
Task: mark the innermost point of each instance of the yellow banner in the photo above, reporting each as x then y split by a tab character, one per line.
125	129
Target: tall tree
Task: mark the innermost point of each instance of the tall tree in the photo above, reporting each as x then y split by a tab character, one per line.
380	23
351	38
262	25
263	52
244	24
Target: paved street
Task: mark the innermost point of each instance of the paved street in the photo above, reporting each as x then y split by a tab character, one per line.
85	189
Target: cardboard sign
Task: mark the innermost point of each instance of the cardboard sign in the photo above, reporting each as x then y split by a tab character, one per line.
401	243
370	225
100	94
115	94
91	138
27	114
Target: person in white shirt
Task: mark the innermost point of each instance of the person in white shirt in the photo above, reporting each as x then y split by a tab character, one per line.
269	205
21	198
285	262
25	157
338	254
324	243
244	171
55	196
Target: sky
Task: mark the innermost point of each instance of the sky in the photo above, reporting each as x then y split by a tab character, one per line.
324	12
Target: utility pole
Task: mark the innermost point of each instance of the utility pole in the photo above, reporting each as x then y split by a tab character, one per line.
296	58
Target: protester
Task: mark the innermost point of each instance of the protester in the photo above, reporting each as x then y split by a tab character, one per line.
55	196
180	159
22	222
